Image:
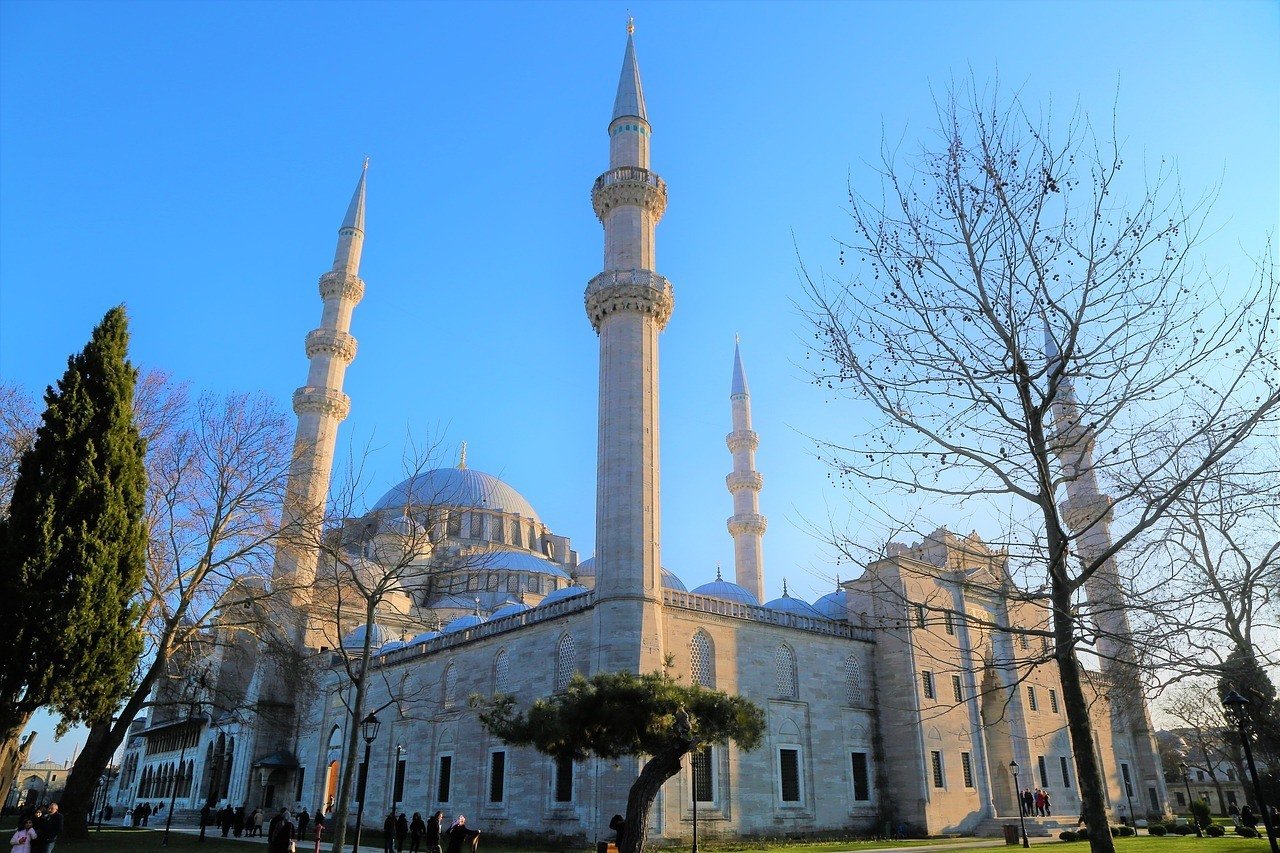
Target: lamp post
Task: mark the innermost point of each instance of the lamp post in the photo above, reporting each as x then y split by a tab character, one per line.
395	771
1235	705
369	731
177	778
1186	781
693	766
1017	795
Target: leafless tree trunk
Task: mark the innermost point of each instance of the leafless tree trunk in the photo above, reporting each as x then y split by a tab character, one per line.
1021	342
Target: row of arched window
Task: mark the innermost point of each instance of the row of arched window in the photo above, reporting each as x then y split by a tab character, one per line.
165	779
566	665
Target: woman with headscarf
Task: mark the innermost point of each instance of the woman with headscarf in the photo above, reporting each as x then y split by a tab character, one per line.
460	837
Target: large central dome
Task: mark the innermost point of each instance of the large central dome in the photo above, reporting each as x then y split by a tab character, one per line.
459	487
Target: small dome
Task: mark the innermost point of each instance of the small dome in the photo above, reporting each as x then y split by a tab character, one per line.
728	590
399	525
587	569
460	487
424	637
833	605
800	607
506	559
509	610
355	639
392	646
462	623
563	593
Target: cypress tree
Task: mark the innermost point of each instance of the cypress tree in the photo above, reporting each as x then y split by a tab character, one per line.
73	547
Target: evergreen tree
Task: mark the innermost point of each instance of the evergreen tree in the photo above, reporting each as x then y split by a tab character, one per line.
73	547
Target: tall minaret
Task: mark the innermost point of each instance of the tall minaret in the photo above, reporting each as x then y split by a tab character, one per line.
628	305
746	525
1087	512
320	404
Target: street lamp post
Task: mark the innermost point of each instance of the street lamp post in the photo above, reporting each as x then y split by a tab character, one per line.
177	779
1017	796
1235	705
394	773
369	730
1186	781
693	766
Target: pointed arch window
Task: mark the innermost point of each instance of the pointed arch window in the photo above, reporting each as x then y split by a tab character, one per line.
702	660
502	672
449	681
566	654
784	672
854	692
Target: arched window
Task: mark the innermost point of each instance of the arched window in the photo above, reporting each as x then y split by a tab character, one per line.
702	660
450	685
853	690
502	672
784	672
566	653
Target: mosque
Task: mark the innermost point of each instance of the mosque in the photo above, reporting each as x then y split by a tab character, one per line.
904	696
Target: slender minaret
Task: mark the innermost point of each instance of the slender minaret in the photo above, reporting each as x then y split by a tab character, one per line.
1088	512
746	525
628	305
321	406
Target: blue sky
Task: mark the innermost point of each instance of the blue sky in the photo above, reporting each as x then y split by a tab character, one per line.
193	160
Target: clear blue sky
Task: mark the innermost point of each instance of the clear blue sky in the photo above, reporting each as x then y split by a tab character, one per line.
193	161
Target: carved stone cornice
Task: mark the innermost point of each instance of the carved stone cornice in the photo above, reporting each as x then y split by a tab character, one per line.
331	342
747	522
324	401
629	185
739	480
742	439
337	283
638	291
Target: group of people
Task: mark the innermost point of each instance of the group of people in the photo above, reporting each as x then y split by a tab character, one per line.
139	815
426	836
37	831
249	824
1035	804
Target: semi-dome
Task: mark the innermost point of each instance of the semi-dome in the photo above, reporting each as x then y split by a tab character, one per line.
587	569
798	606
562	593
462	623
728	590
424	637
392	646
355	640
509	610
504	559
464	487
833	605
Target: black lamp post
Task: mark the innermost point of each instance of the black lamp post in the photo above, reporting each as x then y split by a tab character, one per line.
1235	705
693	766
177	779
1186	780
369	731
395	772
1017	796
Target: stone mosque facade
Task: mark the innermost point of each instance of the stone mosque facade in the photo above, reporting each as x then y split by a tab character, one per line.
885	699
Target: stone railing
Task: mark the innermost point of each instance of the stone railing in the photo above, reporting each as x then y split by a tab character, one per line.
756	613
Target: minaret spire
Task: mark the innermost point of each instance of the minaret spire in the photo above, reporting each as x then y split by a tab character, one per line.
628	305
746	525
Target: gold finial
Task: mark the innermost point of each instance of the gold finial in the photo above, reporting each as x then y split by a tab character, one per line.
462	457
631	24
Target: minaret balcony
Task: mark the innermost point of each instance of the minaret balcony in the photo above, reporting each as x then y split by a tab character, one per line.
331	342
739	480
742	439
629	185
342	285
638	291
322	401
748	522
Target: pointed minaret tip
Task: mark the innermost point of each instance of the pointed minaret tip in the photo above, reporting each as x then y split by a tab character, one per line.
355	210
462	457
630	98
739	386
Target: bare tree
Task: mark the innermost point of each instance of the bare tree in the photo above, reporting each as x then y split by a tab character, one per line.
1020	338
216	468
1207	741
18	421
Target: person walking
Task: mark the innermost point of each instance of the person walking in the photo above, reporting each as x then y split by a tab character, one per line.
461	836
206	818
24	837
280	839
402	832
49	829
389	833
237	821
304	819
417	829
432	837
224	819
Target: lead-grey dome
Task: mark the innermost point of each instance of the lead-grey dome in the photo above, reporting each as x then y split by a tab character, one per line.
464	487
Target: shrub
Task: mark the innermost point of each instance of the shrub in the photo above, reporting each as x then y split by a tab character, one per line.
1066	835
1156	829
1246	832
1214	830
1115	832
1200	813
1126	830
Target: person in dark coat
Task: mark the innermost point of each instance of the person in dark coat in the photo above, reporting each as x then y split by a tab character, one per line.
237	821
389	833
417	829
224	819
282	832
319	821
206	818
48	830
460	837
619	825
303	820
402	832
432	837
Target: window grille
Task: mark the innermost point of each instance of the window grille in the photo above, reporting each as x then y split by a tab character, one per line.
957	689
565	654
926	678
935	761
853	690
1031	698
450	679
702	660
502	672
700	765
784	672
919	615
1044	773
1053	700
966	765
949	622
1066	775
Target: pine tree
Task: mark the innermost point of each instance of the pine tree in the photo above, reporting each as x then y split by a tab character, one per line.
73	547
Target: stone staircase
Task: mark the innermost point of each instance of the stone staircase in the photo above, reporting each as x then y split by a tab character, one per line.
1037	827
